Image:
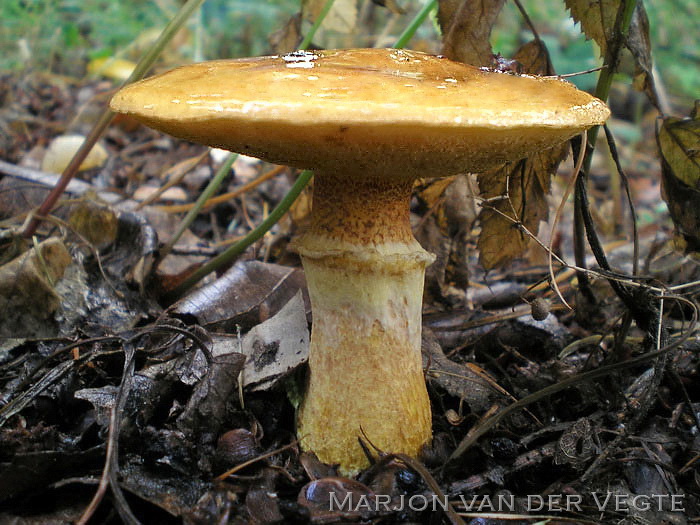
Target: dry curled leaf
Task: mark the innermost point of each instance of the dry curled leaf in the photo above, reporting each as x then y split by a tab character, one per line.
639	44
516	194
28	298
247	294
466	26
287	38
679	146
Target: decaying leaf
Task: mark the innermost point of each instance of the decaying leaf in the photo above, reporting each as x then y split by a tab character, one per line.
288	38
134	250
516	193
28	298
247	294
177	495
96	223
102	399
639	44
47	466
206	408
459	380
444	232
466	26
278	346
679	145
576	445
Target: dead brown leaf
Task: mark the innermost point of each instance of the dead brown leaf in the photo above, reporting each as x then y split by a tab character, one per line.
444	231
524	186
533	58
639	44
28	298
679	146
522	191
288	38
466	26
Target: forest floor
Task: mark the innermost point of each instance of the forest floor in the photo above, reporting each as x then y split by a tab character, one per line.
121	403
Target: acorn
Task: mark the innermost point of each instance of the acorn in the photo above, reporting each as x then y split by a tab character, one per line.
318	495
453	418
236	446
539	309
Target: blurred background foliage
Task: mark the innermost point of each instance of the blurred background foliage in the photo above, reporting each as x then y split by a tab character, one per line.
63	36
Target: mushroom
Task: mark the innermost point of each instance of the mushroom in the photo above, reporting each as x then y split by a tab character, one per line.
368	122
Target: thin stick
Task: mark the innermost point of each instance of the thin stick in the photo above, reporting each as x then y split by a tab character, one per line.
557	216
224	197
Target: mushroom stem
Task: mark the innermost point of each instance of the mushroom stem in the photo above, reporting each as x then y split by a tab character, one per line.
365	273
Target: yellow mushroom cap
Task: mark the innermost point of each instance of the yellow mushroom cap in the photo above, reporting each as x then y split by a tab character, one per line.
384	110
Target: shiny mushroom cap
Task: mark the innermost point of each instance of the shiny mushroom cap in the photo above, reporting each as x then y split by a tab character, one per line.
381	110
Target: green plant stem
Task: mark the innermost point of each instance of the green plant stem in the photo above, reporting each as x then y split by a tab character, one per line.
234	251
415	24
602	90
612	57
106	117
317	23
198	205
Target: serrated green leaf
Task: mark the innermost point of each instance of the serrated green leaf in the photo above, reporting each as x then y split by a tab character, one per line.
597	19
